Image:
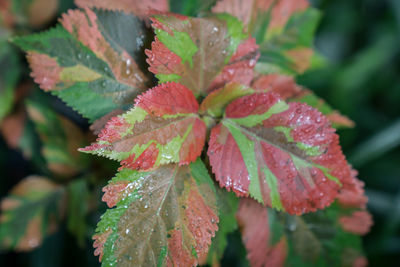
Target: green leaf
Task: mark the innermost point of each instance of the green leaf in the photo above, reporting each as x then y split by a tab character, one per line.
60	138
167	216
78	206
8	78
85	63
287	48
227	207
30	212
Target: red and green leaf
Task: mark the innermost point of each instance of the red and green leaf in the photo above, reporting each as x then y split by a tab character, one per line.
184	46
166	217
139	8
30	212
315	239
87	62
284	155
288	90
163	127
284	29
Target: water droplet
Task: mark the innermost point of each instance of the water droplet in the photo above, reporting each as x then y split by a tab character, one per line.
252	63
215	29
139	41
146	206
87	56
128	71
224	52
79	55
128	62
321	194
127	231
138	77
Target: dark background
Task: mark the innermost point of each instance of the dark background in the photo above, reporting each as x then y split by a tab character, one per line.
360	40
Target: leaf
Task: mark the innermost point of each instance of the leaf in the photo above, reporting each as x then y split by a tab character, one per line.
183	47
278	239
12	128
194	8
164	217
263	248
84	64
227	207
284	29
8	77
240	68
60	137
354	217
286	45
288	90
162	127
30	212
139	8
32	13
283	155
215	103
78	198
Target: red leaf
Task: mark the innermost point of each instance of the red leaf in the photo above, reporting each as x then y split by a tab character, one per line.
358	222
45	70
288	90
285	156
168	99
240	68
254	224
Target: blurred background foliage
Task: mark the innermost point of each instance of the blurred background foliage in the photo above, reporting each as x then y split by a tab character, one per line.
361	42
359	75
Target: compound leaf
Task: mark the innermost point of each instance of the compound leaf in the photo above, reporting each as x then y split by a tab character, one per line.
284	155
30	212
86	66
162	218
162	127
